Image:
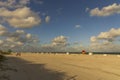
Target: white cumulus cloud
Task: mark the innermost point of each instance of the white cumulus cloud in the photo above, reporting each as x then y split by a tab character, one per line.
105	41
1	42
106	11
20	31
13	3
3	30
60	41
93	39
77	26
17	38
110	35
28	36
47	19
20	18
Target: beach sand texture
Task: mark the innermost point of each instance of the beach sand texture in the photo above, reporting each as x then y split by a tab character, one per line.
64	67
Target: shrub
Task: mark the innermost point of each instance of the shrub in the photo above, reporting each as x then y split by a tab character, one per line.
2	58
6	52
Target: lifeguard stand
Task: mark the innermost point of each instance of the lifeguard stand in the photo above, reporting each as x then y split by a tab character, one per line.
83	52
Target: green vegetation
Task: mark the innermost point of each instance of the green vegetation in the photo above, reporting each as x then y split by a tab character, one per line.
2	58
6	52
4	67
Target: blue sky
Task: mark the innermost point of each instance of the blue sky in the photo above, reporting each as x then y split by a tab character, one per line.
60	24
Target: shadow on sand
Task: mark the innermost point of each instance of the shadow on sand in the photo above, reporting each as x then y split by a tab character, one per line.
28	71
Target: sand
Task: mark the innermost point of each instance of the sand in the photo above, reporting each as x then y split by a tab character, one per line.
64	67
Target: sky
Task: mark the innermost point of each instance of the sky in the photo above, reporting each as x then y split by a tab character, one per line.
60	25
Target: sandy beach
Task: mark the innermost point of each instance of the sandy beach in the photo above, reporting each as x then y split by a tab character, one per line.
63	67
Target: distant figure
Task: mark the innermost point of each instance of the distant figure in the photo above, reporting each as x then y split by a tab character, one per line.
83	52
18	54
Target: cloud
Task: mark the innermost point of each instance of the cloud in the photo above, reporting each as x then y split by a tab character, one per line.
106	11
77	26
20	31
14	3
17	14
19	43
16	39
59	41
110	35
59	11
1	42
3	30
20	18
105	41
87	9
38	1
105	46
93	39
47	19
28	36
61	44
